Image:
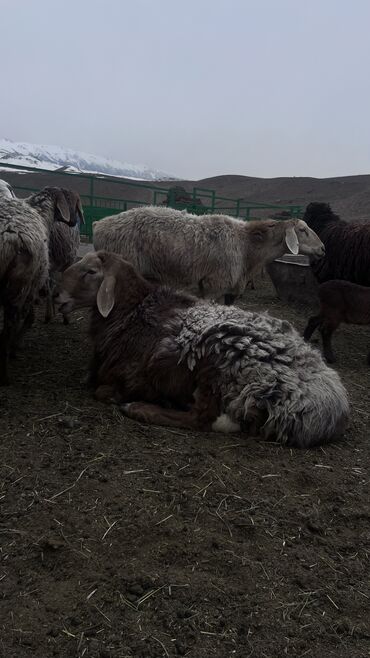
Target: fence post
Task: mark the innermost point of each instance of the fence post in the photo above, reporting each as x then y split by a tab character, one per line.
171	197
91	190
237	209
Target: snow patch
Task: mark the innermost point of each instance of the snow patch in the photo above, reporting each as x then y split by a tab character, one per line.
54	157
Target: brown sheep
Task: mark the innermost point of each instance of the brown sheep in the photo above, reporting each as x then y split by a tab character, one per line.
340	301
173	359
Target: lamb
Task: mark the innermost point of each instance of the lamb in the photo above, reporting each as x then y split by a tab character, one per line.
347	246
25	227
340	301
6	190
216	254
172	359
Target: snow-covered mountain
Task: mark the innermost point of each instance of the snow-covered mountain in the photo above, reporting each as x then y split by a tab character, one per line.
54	157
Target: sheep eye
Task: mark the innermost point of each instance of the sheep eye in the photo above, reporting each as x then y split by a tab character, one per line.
89	272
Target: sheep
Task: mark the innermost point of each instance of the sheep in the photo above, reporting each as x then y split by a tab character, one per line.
340	301
347	246
169	358
64	242
6	190
25	227
216	254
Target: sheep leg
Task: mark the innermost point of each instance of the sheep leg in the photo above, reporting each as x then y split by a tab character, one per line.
9	332
23	325
4	359
50	308
153	414
91	377
327	331
312	325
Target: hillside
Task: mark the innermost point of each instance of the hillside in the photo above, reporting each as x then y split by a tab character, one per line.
348	195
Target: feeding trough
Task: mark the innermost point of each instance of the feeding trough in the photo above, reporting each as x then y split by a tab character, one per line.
293	279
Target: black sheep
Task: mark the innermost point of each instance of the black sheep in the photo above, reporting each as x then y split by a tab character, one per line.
347	246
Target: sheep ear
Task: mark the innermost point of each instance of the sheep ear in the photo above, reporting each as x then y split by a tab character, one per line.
63	207
105	297
292	240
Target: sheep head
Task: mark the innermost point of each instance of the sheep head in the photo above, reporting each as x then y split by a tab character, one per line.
6	190
64	204
318	214
300	239
97	280
270	239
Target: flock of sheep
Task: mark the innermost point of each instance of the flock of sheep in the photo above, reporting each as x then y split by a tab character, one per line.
169	357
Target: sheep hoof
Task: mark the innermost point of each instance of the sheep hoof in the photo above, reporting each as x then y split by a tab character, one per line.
104	393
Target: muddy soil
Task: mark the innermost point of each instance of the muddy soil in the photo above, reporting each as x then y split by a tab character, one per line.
121	540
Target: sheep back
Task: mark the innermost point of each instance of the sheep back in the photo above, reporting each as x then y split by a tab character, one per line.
263	363
176	247
22	230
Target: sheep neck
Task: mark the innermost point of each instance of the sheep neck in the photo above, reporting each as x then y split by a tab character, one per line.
44	205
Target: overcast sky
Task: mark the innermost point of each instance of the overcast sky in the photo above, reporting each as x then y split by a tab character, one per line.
193	87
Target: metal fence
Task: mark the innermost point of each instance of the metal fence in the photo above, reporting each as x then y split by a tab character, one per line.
98	205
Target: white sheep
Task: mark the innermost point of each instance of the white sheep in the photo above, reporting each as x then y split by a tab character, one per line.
25	227
215	254
6	190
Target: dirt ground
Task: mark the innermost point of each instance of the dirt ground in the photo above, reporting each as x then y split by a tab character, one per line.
121	540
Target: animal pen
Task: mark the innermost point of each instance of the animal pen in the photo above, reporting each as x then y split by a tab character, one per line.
107	195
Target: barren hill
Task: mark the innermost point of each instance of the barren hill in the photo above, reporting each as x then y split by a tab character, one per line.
348	195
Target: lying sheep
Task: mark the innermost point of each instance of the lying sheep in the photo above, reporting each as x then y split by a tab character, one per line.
347	246
222	368
25	227
340	301
216	254
6	190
